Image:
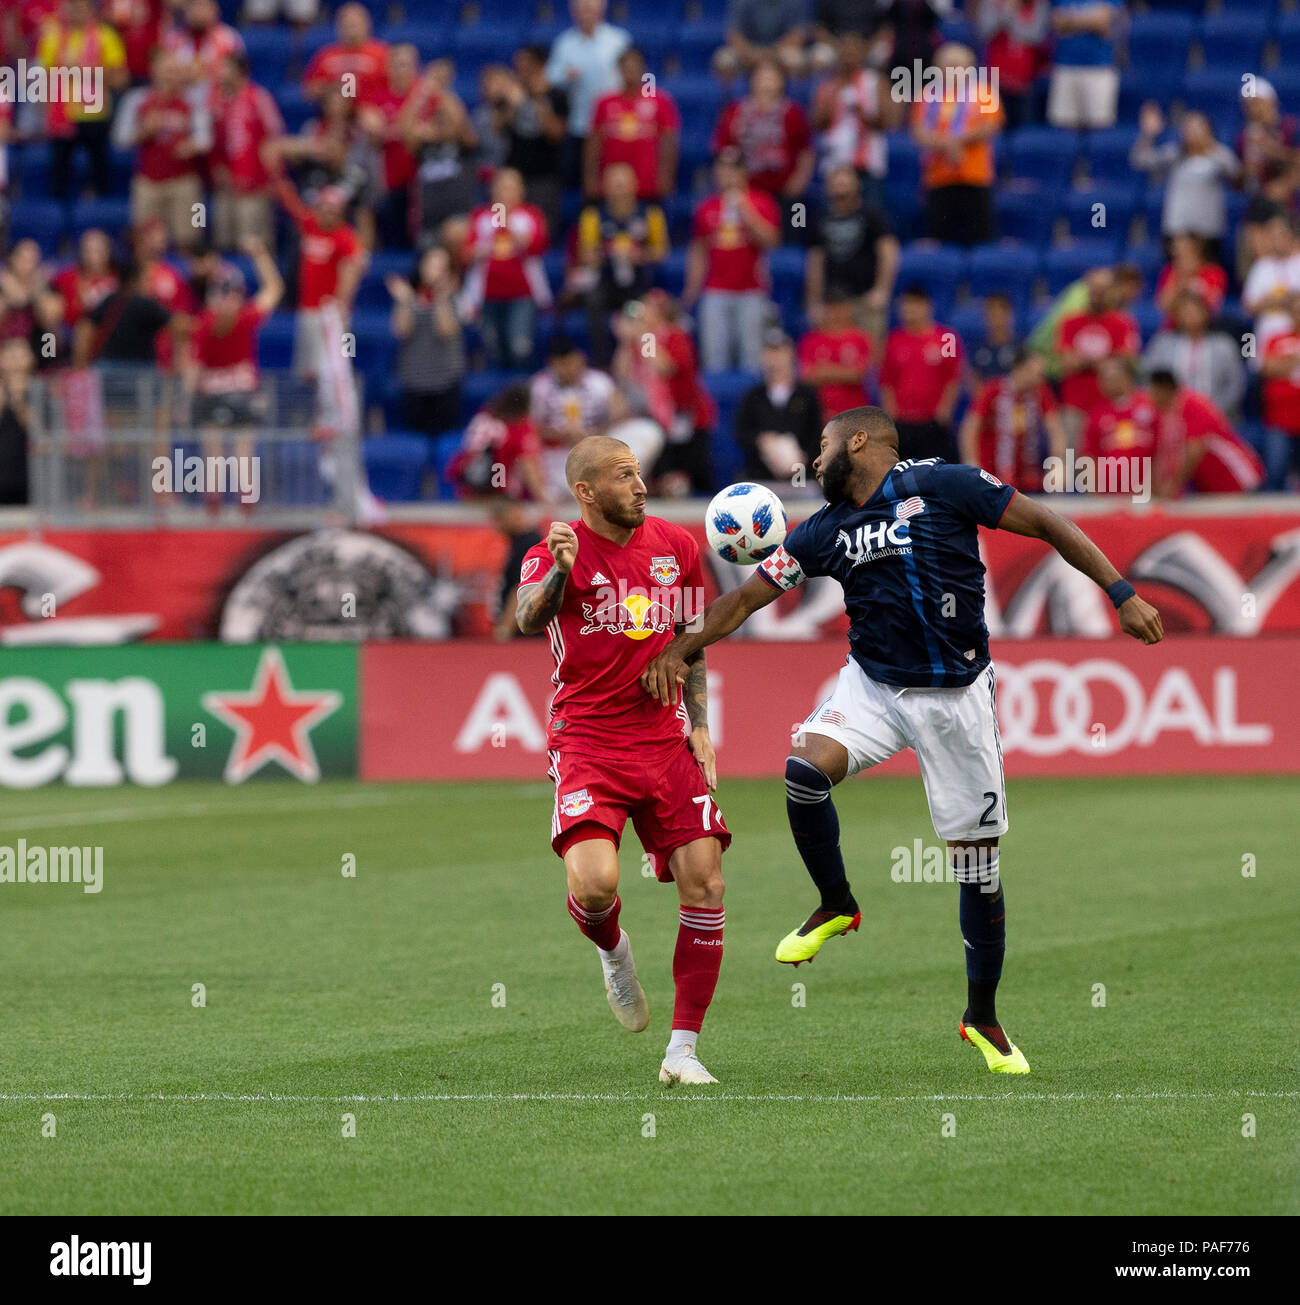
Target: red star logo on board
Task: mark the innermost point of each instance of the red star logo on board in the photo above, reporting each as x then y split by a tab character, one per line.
272	722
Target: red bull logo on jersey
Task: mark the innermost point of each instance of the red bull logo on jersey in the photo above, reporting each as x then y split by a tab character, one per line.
664	570
636	615
576	804
876	539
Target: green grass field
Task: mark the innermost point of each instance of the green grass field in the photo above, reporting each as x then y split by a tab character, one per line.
373	996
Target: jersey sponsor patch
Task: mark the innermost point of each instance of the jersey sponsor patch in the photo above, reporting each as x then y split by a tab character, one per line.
664	570
782	570
575	804
530	565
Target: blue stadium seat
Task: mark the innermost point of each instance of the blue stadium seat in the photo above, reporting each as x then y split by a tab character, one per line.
968	321
111	215
1008	268
432	39
478	387
699	97
275	343
1161	38
40	220
1288	37
270	52
1214	90
1101	210
939	268
445	447
1149	258
395	465
295	107
1025	213
1148	318
1068	263
671	276
1234	40
31	165
904	160
1108	152
1045	155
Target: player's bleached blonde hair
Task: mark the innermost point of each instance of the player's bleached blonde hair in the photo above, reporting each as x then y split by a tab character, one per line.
589	455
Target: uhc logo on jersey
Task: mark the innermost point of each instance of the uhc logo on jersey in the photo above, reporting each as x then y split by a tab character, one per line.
664	569
876	539
575	804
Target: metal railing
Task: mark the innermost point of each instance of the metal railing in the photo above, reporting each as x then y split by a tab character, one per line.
117	446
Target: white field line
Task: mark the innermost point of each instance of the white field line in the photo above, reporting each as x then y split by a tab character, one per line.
304	802
664	1095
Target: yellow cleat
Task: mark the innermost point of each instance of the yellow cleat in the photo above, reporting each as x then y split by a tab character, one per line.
805	942
1010	1061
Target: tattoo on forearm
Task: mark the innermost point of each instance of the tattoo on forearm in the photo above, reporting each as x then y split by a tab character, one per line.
540	602
695	693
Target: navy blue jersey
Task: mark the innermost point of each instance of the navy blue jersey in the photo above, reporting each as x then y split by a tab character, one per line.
908	559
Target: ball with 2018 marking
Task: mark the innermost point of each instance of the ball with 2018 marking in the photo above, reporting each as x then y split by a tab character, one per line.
745	523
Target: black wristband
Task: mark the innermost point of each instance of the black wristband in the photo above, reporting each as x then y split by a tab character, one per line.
1120	592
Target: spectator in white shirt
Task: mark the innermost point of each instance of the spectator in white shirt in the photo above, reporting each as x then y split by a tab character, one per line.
584	64
1274	278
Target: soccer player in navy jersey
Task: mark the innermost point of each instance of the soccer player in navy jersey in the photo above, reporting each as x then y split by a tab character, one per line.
901	537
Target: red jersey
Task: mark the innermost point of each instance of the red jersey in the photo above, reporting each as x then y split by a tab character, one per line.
82	294
1012	440
685	392
320	253
140	25
204	50
1095	336
240	124
770	140
1227	465
1211	284
507	247
367	62
165	285
630	129
32	17
157	158
619	609
851	348
1282	393
1127	428
509	441
400	162
918	367
227	360
735	262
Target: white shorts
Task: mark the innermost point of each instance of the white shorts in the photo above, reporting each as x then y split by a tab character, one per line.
1083	97
954	733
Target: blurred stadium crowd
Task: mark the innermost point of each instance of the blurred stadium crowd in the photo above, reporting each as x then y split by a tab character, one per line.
702	225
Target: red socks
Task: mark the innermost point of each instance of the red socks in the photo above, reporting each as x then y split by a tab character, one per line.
600	926
696	962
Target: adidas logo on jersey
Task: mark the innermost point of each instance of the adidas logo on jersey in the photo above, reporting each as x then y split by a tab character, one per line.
600	579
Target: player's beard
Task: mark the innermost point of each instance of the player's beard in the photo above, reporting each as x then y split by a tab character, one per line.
835	475
627	515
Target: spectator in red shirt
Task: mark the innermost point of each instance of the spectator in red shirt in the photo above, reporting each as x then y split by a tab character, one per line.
501	452
20	26
331	263
1189	269
771	133
726	267
1199	450
162	283
835	357
379	119
506	282
1018	33
166	184
1084	339
221	376
140	24
1280	369
85	285
920	379
245	118
1121	437
1012	426
356	63
674	394
636	124
201	42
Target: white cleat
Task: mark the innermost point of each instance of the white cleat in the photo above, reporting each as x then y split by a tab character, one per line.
622	988
684	1067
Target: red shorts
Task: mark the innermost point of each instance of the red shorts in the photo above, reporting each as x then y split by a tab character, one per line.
664	794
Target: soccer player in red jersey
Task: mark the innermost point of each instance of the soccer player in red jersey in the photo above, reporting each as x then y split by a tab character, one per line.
610	589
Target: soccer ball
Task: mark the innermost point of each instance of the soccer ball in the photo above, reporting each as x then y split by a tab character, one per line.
745	523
